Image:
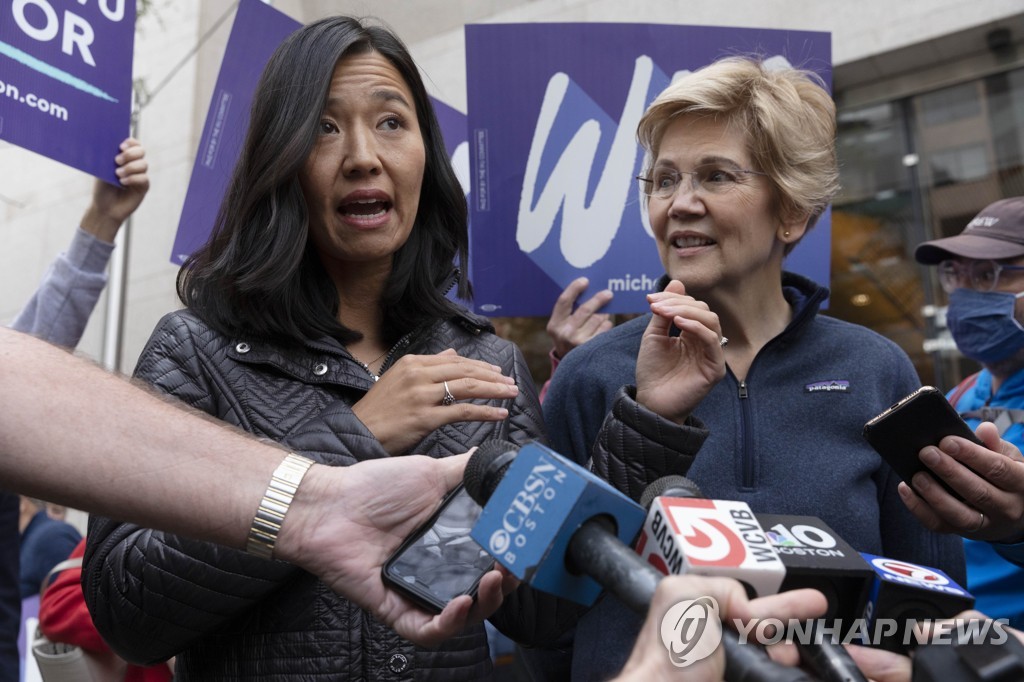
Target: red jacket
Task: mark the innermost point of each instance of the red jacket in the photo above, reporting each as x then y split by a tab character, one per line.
63	617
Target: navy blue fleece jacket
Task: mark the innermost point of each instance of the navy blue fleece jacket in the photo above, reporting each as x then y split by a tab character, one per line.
787	440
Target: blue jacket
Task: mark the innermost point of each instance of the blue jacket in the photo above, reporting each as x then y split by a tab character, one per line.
787	440
997	584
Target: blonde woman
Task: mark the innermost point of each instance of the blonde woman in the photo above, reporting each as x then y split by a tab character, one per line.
734	359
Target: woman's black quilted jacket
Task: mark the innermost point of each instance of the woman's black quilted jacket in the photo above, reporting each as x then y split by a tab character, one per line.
231	616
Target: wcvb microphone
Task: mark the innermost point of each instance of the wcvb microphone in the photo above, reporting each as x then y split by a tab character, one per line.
688	533
563	530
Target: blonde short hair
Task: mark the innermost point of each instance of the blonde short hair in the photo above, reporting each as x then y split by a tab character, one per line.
787	114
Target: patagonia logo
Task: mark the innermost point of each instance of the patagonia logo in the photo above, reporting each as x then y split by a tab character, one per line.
833	386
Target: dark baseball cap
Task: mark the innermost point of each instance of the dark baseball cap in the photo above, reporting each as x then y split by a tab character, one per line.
997	232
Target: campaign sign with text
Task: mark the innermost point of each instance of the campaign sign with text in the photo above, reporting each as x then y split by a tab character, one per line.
456	140
710	537
66	79
553	111
257	31
528	521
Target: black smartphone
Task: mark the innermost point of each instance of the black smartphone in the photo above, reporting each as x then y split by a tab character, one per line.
440	561
923	418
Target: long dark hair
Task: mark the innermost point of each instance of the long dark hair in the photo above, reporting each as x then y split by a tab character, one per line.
258	273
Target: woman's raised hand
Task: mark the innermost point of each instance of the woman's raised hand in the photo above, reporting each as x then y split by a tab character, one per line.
412	398
674	373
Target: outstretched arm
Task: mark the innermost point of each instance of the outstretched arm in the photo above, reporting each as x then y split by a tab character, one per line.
60	308
122	451
112	205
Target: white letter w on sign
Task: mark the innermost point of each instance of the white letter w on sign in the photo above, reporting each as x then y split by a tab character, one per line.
566	153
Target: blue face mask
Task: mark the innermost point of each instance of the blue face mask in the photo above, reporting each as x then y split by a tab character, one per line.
983	324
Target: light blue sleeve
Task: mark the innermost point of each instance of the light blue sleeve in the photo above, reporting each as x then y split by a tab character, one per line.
60	308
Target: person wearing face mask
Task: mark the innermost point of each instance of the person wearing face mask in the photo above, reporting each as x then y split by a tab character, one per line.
982	270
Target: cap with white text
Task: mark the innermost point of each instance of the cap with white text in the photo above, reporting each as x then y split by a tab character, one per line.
995	233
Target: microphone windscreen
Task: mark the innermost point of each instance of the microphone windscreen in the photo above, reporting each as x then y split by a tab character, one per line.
486	467
669	486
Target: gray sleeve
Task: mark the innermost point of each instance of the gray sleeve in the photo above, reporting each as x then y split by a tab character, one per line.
60	308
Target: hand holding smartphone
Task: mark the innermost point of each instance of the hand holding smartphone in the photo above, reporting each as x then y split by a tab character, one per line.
921	419
439	561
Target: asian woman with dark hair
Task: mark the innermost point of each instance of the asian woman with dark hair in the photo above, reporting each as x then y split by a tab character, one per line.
316	317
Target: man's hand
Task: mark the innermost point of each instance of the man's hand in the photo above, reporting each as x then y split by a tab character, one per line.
650	658
568	328
346	521
112	205
990	478
886	666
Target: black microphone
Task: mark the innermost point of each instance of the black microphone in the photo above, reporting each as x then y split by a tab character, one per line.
903	593
876	600
528	527
970	651
529	491
816	556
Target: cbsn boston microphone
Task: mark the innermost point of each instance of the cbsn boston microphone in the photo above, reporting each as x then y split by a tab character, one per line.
563	530
688	533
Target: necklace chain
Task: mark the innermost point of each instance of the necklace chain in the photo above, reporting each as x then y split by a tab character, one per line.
402	343
374	375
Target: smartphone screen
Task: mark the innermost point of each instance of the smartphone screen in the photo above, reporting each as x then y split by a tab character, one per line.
440	561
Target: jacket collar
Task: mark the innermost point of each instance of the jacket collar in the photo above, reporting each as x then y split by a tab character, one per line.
805	296
325	360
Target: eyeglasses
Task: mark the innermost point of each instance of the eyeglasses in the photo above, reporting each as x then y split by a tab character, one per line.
980	275
712	178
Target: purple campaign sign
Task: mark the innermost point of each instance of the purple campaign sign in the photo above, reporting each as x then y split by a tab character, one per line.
553	110
257	31
453	129
66	79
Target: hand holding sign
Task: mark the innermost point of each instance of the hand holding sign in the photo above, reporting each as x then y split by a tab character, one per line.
111	205
67	79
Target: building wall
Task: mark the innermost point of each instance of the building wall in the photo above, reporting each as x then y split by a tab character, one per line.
41	201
